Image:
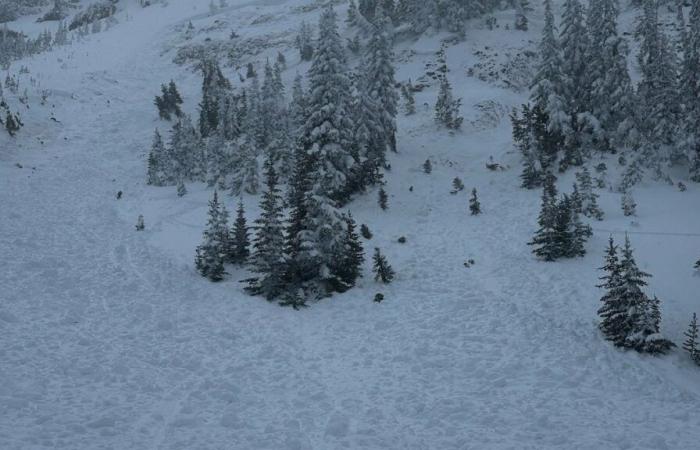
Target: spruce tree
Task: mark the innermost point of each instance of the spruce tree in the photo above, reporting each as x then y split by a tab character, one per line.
383	199
239	244
140	226
690	89
382	270
427	166
691	343
589	199
545	239
181	189
474	205
210	255
347	265
304	42
215	87
267	259
612	311
157	162
447	107
409	100
522	7
457	185
629	206
328	131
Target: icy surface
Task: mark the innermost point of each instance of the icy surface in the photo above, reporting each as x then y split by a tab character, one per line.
109	339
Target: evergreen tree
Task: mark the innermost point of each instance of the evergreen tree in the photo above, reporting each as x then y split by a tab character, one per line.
612	95
383	199
690	88
547	87
545	239
588	198
181	189
691	343
658	89
574	76
629	206
245	172
447	107
381	81
457	185
409	100
474	205
352	13
157	162
267	259
524	139
328	131
382	270
304	42
209	260
215	87
522	7
371	139
612	311
427	166
239	248
366	233
347	265
217	160
140	226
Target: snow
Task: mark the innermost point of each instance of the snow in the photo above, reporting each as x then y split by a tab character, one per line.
109	339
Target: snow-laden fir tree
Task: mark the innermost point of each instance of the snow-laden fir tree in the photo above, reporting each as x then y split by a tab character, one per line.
522	8
658	89
588	197
140	226
211	253
352	13
380	78
169	102
245	176
545	240
524	139
691	343
575	91
181	188
382	198
457	185
427	166
629	206
239	240
474	204
305	42
267	259
347	264
690	89
629	318
547	87
298	108
328	131
612	99
218	160
382	269
447	107
409	104
371	139
215	86
157	162
186	153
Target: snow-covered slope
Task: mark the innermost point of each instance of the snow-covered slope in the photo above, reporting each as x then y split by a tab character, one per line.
110	339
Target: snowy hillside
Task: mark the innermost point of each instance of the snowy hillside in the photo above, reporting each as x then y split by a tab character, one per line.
111	339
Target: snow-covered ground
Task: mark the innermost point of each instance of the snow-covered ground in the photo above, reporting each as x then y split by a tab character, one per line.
109	339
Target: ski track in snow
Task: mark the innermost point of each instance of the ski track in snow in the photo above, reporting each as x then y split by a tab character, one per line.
110	341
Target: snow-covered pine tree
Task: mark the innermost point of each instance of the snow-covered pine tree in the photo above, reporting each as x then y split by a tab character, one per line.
157	162
474	204
457	185
545	240
245	177
380	78
370	141
173	99
447	107
612	99
382	270
298	108
140	226
305	42
382	198
523	137
409	104
217	160
690	89
629	206
181	188
352	13
642	316
572	234
239	241
215	87
328	131
691	343
267	259
613	311
658	90
427	166
347	265
575	91
588	197
522	7
547	87
211	253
